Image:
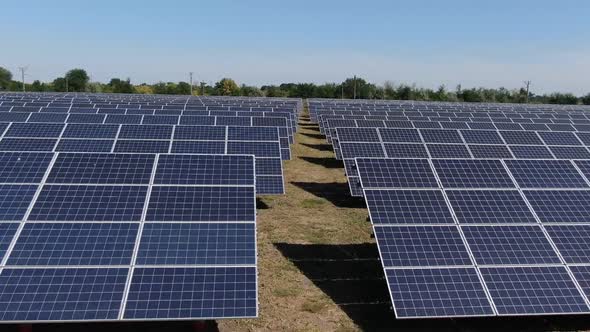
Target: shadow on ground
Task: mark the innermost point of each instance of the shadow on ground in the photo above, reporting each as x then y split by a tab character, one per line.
260	204
351	275
327	162
334	192
319	147
164	326
315	136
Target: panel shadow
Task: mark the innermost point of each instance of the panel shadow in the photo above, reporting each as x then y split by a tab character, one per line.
335	192
327	162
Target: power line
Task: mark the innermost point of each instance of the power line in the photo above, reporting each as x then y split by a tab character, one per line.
528	84
22	73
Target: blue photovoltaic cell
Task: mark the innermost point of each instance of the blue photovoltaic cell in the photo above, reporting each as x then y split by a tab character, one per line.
472	173
269	185
74	244
141	146
421	246
559	138
203	147
448	151
235	121
489	206
84	145
509	245
160	119
27	144
490	151
533	290
169	203
49	294
534	126
582	275
545	174
507	126
561	127
401	150
38	130
570	152
454	125
90	131
521	137
259	149
357	135
209	133
426	124
394	135
253	134
13	117
204	170
23	167
123	119
531	152
15	200
441	136
197	243
86	118
481	137
352	150
481	125
269	166
48	117
395	173
89	203
7	231
201	120
584	137
572	241
407	207
167	293
102	168
560	205
399	124
584	166
146	132
439	292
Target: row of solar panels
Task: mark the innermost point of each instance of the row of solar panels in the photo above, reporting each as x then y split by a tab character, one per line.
481	237
127	236
475	237
289	126
160	100
262	142
437	143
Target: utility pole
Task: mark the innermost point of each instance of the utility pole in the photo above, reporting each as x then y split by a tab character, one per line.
191	79
354	90
528	84
22	73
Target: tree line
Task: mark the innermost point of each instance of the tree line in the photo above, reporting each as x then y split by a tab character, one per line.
77	80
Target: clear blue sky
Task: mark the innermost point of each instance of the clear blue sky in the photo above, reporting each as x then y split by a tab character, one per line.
476	43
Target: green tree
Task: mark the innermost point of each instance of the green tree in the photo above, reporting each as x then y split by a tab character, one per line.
37	86
77	80
562	98
5	78
585	99
59	84
250	91
116	85
227	87
183	88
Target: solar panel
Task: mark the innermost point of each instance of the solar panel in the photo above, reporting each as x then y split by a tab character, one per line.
401	150
533	290
521	137
400	135
142	146
81	145
90	131
441	136
442	292
509	245
472	173
448	151
559	138
421	246
490	151
572	241
545	174
481	137
37	130
407	207
560	205
489	206
530	152
395	173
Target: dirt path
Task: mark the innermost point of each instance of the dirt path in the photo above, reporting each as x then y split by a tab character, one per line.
315	250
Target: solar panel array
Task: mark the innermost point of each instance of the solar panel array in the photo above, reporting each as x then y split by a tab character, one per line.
134	207
478	210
